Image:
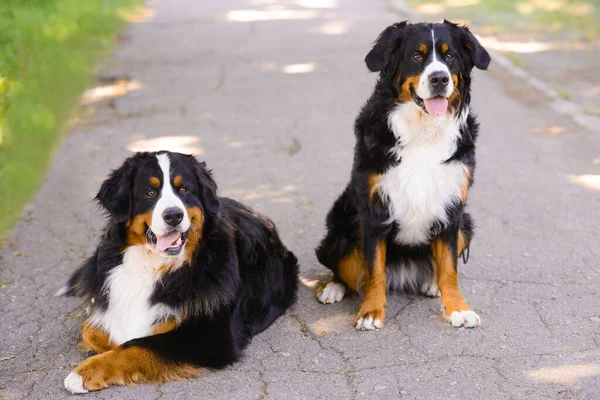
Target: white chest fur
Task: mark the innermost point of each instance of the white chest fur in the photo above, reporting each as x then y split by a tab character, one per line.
129	314
420	187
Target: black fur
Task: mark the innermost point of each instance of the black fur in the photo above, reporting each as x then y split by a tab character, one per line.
241	279
360	220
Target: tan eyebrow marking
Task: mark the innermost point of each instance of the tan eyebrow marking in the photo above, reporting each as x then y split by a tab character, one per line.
444	47
177	181
155	182
423	48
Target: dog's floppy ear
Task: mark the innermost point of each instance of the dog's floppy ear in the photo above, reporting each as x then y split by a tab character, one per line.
207	187
480	57
379	56
115	194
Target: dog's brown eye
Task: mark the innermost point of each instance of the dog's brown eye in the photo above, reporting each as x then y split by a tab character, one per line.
151	193
182	190
417	57
449	56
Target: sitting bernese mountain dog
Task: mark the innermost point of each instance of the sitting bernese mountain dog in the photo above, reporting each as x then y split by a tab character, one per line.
181	280
400	224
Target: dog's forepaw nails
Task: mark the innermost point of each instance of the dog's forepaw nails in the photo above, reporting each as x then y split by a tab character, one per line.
332	293
467	318
368	323
74	383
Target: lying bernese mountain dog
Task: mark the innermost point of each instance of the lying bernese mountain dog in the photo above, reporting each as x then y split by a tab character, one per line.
181	280
400	224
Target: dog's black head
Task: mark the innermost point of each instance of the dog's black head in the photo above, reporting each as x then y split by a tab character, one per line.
163	199
428	64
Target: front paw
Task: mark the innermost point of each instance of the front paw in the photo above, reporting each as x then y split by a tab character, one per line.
370	318
74	383
459	318
92	374
331	292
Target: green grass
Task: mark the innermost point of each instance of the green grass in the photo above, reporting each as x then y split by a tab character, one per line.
48	51
553	19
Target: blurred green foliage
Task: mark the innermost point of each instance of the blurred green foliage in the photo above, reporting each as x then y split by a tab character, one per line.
554	19
48	50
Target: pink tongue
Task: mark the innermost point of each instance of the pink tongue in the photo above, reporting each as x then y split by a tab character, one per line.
436	106
163	243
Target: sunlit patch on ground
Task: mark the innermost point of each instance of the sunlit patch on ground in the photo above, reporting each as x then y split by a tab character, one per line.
116	89
527	46
587	181
298	68
430	8
181	144
551	130
287	194
334	324
566	374
337	27
270	15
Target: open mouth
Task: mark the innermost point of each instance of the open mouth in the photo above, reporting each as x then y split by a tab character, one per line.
170	244
435	106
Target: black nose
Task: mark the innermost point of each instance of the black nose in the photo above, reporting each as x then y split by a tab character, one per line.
438	80
173	216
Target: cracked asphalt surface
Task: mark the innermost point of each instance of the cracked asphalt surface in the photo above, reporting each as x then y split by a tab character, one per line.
218	80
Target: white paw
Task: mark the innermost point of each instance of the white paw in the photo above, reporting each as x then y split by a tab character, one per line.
468	319
332	293
368	324
74	383
430	289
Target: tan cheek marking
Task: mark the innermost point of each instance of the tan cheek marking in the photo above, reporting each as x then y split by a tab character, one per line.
455	98
177	181
405	92
444	47
195	233
126	366
136	228
155	182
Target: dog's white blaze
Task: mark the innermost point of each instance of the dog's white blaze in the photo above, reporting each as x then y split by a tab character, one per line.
167	199
129	314
420	187
424	89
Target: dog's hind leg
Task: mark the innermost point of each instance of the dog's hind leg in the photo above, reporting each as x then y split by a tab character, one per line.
350	274
183	352
95	339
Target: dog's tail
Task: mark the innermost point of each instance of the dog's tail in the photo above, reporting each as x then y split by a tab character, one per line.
81	282
69	289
